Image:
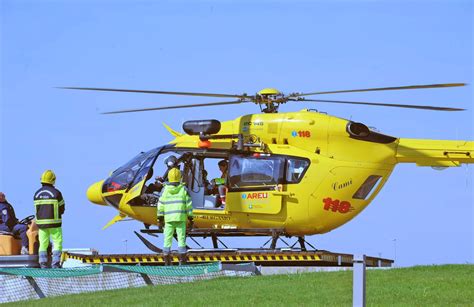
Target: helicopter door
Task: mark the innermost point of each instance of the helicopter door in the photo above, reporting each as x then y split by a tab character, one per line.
251	181
193	179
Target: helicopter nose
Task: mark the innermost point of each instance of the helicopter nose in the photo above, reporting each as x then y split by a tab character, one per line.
94	193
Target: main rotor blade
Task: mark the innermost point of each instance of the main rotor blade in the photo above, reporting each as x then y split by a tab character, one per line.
409	106
178	107
155	92
409	87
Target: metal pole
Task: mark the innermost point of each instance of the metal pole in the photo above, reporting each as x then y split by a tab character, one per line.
395	252
125	241
35	286
358	284
147	279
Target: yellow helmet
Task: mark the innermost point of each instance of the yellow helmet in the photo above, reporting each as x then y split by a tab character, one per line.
48	177
174	175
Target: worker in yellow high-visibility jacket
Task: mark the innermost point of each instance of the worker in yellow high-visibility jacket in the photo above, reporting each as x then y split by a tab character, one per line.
174	208
49	208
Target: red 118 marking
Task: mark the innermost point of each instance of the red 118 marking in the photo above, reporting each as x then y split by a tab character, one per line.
336	205
304	134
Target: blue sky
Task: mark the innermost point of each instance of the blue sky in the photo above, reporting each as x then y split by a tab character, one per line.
228	47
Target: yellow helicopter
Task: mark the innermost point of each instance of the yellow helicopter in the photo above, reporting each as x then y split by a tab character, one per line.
288	174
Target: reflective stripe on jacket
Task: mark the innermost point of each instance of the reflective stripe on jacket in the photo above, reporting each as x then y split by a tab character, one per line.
219	181
175	204
49	207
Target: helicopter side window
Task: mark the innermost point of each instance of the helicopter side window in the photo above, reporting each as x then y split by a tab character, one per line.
250	171
295	169
365	190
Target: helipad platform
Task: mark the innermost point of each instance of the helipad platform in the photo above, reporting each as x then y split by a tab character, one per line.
259	257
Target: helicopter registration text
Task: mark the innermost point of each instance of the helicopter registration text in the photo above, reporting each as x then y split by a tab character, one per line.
336	205
212	217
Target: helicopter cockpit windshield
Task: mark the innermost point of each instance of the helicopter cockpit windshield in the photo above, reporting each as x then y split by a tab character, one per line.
131	173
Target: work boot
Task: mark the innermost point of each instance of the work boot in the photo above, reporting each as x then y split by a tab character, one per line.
56	263
167	259
182	259
43	260
24	250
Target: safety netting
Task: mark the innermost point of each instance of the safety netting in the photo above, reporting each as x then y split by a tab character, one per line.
30	283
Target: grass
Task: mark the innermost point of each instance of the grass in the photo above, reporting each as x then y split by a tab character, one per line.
447	285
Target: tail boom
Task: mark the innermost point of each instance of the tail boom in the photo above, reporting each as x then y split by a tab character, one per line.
437	153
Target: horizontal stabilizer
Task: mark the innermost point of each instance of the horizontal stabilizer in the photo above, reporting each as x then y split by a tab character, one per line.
116	219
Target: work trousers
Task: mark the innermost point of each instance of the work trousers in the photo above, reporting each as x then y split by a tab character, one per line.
170	228
56	235
17	230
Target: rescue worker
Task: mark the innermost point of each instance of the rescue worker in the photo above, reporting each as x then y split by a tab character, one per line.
221	183
9	223
174	207
49	205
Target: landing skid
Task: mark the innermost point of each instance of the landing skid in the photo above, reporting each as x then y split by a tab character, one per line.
148	244
214	234
301	241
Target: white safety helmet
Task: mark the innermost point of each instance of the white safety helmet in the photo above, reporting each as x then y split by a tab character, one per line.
171	161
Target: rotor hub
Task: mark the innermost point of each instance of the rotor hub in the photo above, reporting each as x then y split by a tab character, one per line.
270	98
269	91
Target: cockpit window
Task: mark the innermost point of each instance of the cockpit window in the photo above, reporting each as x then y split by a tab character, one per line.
295	169
130	173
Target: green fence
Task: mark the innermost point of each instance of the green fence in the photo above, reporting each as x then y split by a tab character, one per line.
28	283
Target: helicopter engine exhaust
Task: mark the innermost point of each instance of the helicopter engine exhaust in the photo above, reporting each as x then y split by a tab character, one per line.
358	129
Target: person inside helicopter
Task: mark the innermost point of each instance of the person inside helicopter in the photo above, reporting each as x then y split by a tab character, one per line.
151	192
219	185
206	184
154	187
170	163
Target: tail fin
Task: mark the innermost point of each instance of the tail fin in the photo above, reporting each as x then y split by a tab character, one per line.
435	152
